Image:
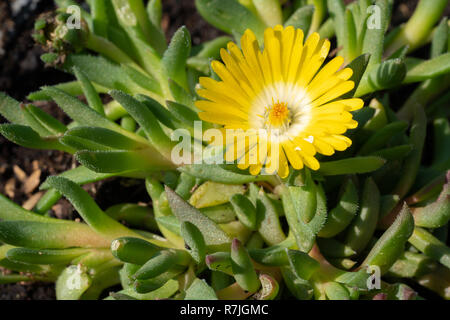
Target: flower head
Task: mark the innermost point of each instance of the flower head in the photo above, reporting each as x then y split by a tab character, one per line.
283	97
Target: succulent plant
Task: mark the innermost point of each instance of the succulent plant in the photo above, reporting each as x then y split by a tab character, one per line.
365	217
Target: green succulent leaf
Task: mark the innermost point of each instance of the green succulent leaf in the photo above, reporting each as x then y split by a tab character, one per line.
419	26
382	136
220	262
127	163
41	235
350	37
218	173
211	49
133	250
183	114
394	153
181	95
388	74
429	69
301	18
80	175
336	10
441	130
15	278
230	16
305	233
245	211
374	37
194	241
94	68
174	59
303	265
341	216
243	270
146	286
145	81
431	246
146	120
211	232
336	291
10	109
134	215
300	288
44	120
334	249
89	210
164	292
72	283
160	263
46	256
221	214
72	87
351	166
439	44
211	194
269	221
89	91
411	265
96	138
411	163
11	211
200	290
27	137
363	226
161	113
78	111
154	10
392	243
436	214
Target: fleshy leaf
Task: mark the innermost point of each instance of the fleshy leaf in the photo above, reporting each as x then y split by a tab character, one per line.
211	232
200	290
351	166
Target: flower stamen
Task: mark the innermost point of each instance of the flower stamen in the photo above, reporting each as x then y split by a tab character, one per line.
277	115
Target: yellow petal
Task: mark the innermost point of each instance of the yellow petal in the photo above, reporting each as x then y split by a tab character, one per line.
273	49
283	172
287	44
353	104
336	143
304	146
334	93
328	70
222	118
294	159
250	49
323	148
297	57
311	162
255	169
222	108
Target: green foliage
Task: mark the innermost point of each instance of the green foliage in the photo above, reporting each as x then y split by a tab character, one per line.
215	231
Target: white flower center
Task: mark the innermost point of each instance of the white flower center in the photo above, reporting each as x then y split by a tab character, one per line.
282	109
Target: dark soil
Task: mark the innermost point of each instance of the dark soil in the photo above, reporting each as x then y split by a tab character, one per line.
22	72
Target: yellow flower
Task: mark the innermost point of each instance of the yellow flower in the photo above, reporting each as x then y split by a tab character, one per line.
284	97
